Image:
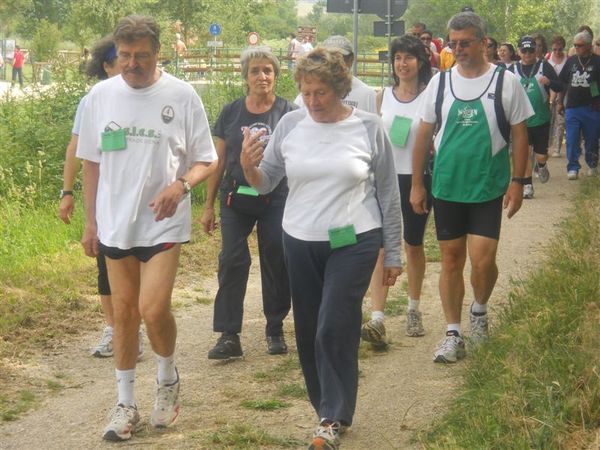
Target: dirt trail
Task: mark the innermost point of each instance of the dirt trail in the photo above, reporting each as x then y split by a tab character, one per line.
400	391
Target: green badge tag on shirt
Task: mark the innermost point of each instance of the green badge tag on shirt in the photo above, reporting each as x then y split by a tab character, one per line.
400	130
342	236
114	140
247	190
594	89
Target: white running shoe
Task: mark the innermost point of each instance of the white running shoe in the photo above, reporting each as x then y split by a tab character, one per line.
479	328
414	323
450	349
166	405
592	172
543	173
123	421
572	175
528	191
104	349
326	437
373	331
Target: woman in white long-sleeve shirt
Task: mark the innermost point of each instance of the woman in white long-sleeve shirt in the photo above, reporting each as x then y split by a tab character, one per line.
343	205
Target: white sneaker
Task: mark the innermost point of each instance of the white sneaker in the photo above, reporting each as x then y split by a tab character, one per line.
528	191
123	421
104	349
543	173
479	328
166	406
572	175
326	437
450	349
592	172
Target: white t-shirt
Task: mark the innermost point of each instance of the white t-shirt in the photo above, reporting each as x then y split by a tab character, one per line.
361	96
338	174
517	107
166	133
391	108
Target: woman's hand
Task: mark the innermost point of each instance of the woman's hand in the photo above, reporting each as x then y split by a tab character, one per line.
252	149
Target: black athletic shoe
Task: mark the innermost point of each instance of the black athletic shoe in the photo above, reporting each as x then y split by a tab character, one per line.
276	345
228	347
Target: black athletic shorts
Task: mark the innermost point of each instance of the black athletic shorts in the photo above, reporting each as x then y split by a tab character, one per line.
539	137
413	224
144	254
454	220
103	285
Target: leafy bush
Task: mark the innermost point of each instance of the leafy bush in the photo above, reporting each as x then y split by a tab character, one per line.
46	41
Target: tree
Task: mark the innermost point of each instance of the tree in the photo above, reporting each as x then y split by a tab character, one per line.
46	41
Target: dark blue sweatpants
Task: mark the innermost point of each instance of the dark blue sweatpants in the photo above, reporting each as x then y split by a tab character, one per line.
327	288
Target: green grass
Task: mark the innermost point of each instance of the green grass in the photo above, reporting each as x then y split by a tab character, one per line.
536	384
288	367
292	390
264	405
249	437
12	407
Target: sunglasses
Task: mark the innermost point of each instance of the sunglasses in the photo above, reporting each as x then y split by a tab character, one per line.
528	50
579	45
462	44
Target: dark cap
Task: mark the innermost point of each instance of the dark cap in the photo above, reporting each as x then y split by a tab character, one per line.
467	9
527	42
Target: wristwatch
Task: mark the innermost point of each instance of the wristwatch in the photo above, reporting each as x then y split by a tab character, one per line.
187	187
519	180
64	193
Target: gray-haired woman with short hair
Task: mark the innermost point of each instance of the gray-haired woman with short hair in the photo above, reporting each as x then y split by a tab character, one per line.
242	208
342	207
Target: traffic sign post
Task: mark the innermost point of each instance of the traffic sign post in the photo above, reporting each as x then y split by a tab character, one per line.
215	29
385	28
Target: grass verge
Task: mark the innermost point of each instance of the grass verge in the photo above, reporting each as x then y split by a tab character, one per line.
536	383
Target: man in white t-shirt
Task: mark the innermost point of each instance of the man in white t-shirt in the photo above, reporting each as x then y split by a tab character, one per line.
477	107
361	96
145	142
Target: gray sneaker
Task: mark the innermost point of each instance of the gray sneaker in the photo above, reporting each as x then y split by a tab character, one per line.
479	328
123	421
166	405
450	349
543	173
373	331
528	191
104	349
572	175
326	437
414	323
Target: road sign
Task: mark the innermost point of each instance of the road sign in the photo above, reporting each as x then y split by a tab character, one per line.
253	38
214	44
380	28
380	7
383	56
341	6
215	29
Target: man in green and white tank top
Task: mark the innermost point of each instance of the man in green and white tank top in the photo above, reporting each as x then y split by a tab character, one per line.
472	172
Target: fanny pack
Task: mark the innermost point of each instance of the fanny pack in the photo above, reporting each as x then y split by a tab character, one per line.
246	200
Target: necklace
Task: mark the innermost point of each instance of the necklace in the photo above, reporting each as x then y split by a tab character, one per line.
583	66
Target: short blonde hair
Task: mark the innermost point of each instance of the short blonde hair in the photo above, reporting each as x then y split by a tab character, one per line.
328	66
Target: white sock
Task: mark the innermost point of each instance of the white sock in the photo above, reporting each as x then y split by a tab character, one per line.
125	385
377	315
478	308
166	369
413	304
453	327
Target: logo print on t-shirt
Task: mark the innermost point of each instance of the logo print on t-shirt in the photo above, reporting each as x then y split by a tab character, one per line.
167	114
256	127
580	79
467	116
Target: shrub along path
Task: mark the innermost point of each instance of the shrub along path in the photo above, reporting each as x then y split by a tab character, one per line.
258	402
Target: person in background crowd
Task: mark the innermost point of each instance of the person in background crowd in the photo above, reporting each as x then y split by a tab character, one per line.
582	28
541	47
242	209
491	50
145	142
399	106
581	77
294	49
335	222
447	60
472	140
434	58
361	96
537	77
103	65
557	59
17	66
597	47
508	55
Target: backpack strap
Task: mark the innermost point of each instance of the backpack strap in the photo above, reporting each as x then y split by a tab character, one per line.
503	124
439	98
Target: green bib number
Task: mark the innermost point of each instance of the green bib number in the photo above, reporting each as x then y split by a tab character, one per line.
342	237
113	141
400	130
